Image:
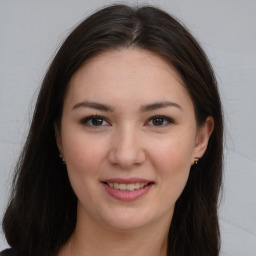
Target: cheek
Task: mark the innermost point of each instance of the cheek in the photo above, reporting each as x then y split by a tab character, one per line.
83	154
172	160
175	151
84	157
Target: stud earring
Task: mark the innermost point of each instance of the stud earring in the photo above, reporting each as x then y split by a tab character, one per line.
196	160
63	160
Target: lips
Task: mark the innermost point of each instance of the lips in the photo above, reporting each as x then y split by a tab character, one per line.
127	189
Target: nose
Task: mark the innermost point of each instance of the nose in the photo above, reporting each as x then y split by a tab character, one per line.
126	149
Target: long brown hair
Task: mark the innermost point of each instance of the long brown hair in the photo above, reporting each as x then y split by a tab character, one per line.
41	215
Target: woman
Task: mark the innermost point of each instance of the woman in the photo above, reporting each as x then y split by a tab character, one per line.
124	153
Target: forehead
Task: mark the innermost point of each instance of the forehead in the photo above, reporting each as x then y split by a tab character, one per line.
128	59
129	75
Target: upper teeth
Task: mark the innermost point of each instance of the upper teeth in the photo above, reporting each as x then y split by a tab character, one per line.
129	187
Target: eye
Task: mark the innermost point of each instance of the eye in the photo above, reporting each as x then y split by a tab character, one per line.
95	121
159	121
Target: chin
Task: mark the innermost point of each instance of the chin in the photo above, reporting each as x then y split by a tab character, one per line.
128	220
126	225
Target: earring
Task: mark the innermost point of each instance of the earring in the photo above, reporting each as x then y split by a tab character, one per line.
196	160
63	160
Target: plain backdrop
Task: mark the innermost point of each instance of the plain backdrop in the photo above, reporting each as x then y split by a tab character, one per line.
30	33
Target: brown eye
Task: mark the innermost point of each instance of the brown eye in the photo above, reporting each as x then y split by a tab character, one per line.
158	121
97	121
94	121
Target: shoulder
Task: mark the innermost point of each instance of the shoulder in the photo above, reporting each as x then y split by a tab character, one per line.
8	252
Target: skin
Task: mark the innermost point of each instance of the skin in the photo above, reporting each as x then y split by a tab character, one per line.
127	141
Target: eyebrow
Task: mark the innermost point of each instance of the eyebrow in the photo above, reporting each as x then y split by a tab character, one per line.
93	105
143	108
157	105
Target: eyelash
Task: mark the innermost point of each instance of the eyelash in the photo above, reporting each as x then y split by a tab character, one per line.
166	120
88	121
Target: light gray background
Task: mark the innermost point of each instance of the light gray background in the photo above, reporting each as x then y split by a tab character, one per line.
30	31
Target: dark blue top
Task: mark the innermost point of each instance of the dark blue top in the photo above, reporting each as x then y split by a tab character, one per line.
8	252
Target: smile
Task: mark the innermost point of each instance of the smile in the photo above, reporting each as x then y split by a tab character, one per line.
127	187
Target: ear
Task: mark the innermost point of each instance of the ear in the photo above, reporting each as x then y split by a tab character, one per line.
203	134
58	138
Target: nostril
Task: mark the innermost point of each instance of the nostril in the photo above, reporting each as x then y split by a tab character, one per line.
125	158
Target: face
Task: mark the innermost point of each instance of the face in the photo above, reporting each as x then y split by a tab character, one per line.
129	137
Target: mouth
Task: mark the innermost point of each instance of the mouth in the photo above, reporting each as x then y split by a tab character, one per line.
128	187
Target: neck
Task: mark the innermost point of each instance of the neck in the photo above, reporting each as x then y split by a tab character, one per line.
90	238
